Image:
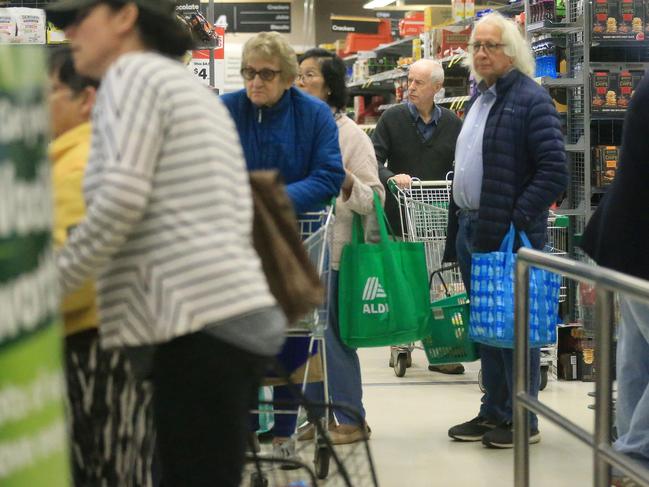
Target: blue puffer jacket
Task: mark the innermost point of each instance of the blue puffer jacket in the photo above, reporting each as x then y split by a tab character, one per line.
524	164
298	136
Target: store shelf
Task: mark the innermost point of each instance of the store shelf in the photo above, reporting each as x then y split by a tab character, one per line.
514	8
383	108
561	82
401	47
612	114
614	42
377	79
451	61
619	66
570	212
579	147
549	27
453	99
599	190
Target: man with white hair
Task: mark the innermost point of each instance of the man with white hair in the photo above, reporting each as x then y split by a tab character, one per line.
417	139
510	166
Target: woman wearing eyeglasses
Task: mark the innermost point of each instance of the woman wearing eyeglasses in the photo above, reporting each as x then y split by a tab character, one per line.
282	128
322	74
168	233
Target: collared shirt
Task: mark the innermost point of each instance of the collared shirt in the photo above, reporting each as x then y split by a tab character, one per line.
426	129
467	178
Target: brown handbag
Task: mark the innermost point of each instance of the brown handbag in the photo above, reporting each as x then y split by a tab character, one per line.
292	278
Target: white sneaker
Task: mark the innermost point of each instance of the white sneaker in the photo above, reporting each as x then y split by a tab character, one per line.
286	451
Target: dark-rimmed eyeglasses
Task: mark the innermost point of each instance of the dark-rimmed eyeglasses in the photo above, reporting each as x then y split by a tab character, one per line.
265	74
489	47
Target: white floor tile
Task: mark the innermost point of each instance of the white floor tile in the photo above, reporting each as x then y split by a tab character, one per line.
410	417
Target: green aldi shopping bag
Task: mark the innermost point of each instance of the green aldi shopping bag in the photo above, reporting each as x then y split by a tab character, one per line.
383	289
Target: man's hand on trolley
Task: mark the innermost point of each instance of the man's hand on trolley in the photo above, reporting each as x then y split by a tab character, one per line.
401	180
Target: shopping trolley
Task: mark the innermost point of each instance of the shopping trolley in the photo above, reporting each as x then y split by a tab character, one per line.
557	244
316	230
335	465
423	212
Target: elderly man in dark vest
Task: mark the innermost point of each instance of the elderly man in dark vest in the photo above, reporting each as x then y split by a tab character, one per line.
417	139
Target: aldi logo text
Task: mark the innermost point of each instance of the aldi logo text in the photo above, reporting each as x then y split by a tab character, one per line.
372	291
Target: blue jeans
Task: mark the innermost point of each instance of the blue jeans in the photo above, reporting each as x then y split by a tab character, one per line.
497	363
632	415
343	367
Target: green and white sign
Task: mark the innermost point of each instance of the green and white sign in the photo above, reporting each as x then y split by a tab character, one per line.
33	436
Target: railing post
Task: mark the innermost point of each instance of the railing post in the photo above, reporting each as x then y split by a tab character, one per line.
603	385
521	375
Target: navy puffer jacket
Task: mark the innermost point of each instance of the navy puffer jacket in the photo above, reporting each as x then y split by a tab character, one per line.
524	164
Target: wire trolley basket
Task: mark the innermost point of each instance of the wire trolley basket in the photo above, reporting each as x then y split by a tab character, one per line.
316	461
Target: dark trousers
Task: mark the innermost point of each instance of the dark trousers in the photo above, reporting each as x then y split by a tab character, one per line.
203	390
497	363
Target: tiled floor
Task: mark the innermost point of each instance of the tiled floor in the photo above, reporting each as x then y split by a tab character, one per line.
410	417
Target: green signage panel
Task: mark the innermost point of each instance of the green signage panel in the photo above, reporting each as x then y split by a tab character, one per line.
33	431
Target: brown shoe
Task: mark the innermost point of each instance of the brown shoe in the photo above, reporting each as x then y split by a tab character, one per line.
452	369
345	434
306	432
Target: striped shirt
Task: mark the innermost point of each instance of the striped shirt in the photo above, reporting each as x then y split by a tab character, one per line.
169	209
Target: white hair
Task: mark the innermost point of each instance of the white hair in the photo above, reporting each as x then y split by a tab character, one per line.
436	69
515	47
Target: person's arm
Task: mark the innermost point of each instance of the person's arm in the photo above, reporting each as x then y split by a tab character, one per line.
382	143
326	173
550	177
131	121
362	174
452	226
70	210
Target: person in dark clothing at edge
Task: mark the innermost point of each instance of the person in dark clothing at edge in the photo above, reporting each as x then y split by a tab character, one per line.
510	166
617	236
417	139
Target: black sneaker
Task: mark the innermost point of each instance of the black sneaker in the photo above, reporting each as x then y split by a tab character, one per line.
472	430
503	437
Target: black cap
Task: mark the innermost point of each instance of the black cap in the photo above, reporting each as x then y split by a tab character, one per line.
64	12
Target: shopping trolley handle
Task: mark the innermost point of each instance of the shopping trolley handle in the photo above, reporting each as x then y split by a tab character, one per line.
439	272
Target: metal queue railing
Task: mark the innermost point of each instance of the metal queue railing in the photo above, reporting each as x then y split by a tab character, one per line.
607	282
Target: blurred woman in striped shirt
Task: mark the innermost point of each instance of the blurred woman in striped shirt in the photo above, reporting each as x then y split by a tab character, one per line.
167	234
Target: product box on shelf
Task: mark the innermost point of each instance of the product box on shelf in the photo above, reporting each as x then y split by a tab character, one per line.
355	42
436	15
606	161
605	91
458	10
412	24
448	40
541	10
619	19
456	85
627	82
469	8
586	359
569	350
567	368
22	25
